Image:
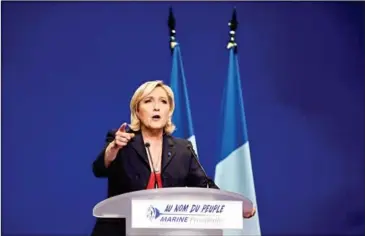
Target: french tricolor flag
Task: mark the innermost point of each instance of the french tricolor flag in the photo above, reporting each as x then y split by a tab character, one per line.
182	114
233	171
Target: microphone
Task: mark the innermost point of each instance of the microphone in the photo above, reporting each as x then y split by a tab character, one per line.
200	166
147	145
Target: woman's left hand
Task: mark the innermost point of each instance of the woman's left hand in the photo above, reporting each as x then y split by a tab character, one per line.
249	214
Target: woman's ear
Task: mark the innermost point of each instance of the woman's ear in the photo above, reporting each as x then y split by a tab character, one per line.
137	112
137	115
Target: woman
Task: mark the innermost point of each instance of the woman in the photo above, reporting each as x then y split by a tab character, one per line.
147	155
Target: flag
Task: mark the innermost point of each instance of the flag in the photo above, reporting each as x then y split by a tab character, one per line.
182	114
233	171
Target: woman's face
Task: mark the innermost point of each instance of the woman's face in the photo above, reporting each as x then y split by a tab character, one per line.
154	109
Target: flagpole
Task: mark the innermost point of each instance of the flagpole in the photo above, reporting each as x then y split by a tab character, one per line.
234	172
171	22
233	24
182	117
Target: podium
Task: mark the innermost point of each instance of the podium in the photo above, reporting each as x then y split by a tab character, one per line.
194	211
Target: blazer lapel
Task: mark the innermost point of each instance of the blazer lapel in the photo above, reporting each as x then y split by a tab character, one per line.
169	151
138	144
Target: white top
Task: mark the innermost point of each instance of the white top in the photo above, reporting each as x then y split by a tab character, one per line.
120	206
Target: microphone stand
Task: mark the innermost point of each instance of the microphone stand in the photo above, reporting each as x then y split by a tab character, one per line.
147	145
200	166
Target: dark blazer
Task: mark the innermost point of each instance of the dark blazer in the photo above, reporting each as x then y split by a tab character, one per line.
130	171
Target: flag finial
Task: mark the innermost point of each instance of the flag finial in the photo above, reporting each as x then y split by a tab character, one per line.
233	23
171	22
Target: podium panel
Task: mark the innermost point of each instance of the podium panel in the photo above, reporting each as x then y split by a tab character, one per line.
144	211
186	214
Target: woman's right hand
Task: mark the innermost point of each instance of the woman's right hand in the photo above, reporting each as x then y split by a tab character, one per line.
121	139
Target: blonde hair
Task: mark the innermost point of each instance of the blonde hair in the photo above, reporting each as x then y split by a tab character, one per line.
140	94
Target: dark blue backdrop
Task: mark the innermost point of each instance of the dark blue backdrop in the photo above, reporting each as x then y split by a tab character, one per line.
69	70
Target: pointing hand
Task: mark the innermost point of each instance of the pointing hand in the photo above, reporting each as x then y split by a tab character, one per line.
122	137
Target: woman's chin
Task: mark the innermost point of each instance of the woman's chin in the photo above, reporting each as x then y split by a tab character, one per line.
156	126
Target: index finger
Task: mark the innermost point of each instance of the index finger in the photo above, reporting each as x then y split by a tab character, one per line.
122	128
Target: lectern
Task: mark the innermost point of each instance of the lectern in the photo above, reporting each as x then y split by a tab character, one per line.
176	211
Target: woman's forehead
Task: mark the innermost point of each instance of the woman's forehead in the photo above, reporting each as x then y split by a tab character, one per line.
157	92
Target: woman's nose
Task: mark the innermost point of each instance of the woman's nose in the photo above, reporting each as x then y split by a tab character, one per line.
156	107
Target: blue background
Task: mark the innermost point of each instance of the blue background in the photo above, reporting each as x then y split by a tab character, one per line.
70	69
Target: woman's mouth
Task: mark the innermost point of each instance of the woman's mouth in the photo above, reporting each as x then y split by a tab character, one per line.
156	117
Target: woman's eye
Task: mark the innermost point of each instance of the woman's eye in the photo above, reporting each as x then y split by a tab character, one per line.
164	101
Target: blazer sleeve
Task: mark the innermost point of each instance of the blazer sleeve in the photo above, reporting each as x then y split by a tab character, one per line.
196	176
98	165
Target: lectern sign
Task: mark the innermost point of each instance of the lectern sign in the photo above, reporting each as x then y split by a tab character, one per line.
187	214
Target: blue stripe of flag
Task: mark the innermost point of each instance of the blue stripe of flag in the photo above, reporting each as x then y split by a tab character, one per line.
234	128
182	115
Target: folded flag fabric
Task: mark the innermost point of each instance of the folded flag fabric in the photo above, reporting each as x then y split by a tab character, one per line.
182	115
233	171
